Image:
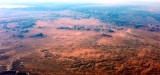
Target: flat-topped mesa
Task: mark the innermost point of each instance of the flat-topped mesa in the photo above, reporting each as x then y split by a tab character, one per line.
106	35
87	28
65	28
111	30
39	35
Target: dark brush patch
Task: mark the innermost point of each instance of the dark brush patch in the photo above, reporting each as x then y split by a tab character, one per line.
4	57
4	51
18	36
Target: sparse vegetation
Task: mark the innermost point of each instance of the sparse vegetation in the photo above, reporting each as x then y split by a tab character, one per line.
81	39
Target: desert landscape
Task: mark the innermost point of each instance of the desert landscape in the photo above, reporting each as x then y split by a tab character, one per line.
81	39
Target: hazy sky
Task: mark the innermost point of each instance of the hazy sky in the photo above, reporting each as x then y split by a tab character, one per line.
87	1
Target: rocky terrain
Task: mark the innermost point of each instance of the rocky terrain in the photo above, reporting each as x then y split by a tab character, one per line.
80	39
